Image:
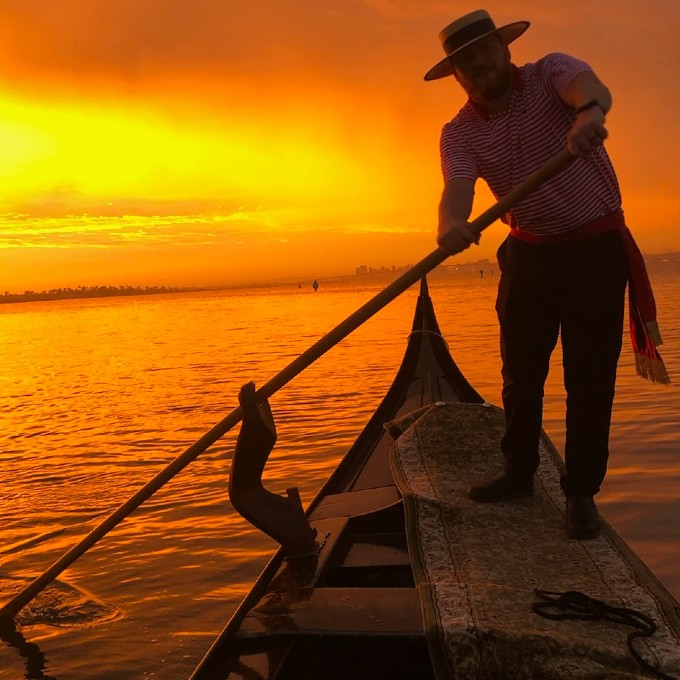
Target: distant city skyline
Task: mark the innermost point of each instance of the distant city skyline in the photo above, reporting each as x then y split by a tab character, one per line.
669	261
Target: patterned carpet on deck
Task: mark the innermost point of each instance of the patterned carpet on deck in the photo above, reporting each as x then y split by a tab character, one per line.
477	564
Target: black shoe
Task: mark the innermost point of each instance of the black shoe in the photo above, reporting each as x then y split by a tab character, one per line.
505	486
583	519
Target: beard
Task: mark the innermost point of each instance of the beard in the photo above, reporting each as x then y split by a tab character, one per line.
488	86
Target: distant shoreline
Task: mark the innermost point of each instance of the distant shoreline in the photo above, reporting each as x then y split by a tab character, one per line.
83	292
656	263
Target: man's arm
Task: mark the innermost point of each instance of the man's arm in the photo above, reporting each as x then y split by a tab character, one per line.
585	87
588	131
454	234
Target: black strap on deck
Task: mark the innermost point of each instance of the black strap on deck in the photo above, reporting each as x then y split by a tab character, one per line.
575	605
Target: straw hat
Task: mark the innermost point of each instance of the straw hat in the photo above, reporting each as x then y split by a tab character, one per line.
465	31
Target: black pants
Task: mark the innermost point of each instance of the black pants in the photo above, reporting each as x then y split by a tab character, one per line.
576	289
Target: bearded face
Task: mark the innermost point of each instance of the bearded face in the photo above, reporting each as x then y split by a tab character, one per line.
484	71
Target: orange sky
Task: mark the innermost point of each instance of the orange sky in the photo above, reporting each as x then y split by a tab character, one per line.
150	142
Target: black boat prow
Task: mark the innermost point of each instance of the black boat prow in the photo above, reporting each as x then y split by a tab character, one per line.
427	374
352	610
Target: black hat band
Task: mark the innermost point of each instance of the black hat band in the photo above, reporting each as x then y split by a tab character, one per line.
468	33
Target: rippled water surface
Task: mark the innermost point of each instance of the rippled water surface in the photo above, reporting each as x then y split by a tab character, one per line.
97	396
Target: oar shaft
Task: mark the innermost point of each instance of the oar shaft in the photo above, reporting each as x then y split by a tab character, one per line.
375	304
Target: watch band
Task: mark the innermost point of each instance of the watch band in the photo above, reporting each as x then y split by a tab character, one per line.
589	105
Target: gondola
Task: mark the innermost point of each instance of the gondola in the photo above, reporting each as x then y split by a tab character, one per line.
392	572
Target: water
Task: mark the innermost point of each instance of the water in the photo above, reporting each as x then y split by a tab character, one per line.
97	396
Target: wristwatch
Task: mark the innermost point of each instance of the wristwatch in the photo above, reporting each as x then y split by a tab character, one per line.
589	105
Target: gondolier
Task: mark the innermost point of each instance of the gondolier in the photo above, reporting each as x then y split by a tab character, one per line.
567	260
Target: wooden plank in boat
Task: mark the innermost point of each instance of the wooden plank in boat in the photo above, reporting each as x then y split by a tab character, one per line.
326	611
355	502
369	553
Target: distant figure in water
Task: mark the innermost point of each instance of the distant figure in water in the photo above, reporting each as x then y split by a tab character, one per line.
315	285
299	285
567	260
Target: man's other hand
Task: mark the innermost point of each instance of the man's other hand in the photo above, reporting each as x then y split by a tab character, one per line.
455	237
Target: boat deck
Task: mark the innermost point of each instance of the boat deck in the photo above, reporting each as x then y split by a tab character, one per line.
477	565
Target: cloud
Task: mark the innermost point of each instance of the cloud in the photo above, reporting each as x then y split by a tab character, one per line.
132	40
96	231
140	46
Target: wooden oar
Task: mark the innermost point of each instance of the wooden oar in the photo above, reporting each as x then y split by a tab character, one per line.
374	305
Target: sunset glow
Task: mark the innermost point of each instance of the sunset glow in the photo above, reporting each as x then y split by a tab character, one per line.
185	145
100	151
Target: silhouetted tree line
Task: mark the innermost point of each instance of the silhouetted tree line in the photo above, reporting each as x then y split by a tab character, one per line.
86	292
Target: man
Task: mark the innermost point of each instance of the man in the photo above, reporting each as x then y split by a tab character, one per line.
565	265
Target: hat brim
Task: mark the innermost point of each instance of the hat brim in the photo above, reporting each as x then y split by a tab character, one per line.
507	33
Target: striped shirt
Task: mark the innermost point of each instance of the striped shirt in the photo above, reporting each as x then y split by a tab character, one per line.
504	149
